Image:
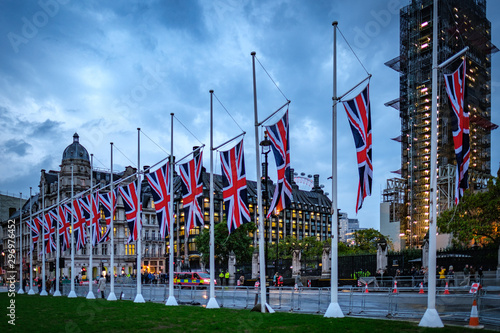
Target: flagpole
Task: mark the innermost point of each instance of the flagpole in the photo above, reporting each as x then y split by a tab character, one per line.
334	310
43	292
72	293
171	298
90	294
31	291
212	302
58	249
112	296
431	317
138	298
21	290
262	265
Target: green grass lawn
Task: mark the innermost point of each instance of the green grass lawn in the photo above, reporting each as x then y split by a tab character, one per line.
61	314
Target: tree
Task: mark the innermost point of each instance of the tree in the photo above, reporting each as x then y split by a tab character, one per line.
238	241
476	217
366	239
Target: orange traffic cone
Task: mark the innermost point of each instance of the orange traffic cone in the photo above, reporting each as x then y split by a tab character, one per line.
474	318
421	288
366	288
446	291
395	291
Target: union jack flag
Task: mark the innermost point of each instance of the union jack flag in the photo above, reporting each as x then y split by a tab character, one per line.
160	183
280	138
35	227
108	204
455	87
359	116
234	184
49	227
192	189
79	225
129	196
90	205
64	212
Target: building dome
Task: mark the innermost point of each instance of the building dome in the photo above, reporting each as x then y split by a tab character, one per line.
76	150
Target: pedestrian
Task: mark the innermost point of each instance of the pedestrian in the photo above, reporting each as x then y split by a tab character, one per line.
48	284
280	281
442	276
466	280
242	280
221	277
101	286
472	272
480	274
226	278
451	276
275	278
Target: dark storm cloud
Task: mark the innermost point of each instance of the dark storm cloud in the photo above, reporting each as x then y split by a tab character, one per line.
18	147
48	128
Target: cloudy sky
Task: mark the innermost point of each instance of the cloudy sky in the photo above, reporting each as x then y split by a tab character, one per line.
105	68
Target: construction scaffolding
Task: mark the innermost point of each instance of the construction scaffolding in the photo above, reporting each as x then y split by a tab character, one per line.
461	23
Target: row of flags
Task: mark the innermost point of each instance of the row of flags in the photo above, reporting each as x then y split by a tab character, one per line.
86	211
80	211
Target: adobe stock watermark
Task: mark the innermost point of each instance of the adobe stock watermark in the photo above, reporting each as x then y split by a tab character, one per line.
373	28
30	26
11	272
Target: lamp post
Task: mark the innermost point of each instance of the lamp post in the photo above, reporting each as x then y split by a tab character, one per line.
266	148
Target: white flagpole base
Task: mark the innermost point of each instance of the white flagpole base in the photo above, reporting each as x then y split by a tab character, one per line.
334	311
31	292
43	293
57	293
139	299
431	319
269	308
112	296
171	301
72	294
212	303
90	295
20	291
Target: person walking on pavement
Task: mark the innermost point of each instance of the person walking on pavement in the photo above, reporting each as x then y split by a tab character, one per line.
221	277
101	286
466	280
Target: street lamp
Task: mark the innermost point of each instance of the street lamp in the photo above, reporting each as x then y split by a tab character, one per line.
266	148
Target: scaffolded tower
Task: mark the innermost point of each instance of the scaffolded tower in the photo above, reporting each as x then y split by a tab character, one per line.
461	23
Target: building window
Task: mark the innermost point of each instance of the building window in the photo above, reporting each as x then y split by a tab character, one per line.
129	249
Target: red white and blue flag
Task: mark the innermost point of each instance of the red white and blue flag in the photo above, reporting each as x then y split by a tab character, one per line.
108	204
129	196
79	225
359	116
234	184
35	227
192	190
280	138
49	226
90	205
64	213
455	87
160	185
